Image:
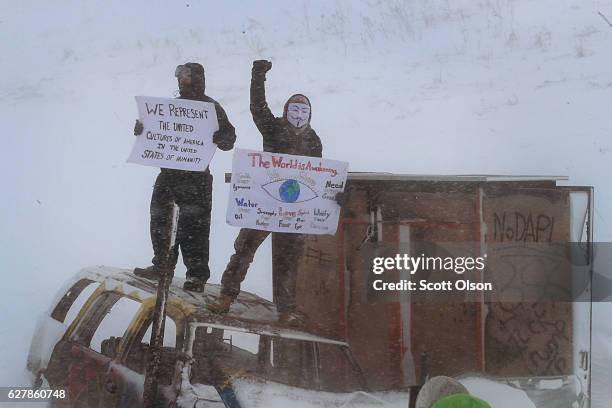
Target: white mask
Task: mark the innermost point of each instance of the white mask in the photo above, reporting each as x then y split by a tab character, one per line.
298	114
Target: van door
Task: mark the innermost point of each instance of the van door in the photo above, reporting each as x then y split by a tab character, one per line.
82	358
51	325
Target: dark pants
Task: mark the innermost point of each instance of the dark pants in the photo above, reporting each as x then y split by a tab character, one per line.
284	278
192	193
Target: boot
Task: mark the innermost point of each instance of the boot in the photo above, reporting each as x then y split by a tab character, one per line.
152	272
221	305
194	284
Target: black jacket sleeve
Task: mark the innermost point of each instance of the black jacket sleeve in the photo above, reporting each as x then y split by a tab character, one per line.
226	132
262	115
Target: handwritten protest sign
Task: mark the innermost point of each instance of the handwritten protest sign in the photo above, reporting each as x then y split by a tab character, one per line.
177	133
285	193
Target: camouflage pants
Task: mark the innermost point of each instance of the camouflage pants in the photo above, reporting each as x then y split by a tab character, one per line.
288	248
192	192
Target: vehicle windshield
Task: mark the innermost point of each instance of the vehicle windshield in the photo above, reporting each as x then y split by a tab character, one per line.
225	354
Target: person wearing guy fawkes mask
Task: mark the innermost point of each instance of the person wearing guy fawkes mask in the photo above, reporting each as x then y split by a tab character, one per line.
289	134
192	193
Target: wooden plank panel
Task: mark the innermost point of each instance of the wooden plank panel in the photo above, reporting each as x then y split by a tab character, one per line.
528	337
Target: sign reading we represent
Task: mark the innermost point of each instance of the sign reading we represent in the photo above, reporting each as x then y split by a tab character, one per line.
285	193
177	133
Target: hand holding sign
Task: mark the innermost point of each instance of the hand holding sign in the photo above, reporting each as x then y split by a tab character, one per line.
138	128
174	133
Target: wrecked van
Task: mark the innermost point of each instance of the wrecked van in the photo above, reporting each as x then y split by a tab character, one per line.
93	342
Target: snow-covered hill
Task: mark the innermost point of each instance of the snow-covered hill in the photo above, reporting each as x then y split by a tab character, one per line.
419	86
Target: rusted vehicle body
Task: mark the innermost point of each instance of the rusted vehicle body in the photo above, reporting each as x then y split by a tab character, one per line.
93	342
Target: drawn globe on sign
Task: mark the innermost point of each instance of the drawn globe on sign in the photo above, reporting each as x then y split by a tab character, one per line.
289	191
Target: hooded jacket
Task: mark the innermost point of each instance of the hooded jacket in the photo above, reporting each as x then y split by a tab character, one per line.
227	132
198	85
279	136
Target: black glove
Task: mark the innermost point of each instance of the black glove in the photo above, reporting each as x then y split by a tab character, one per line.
218	137
342	198
261	66
223	140
138	128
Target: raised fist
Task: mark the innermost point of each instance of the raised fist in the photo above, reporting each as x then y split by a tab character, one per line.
261	66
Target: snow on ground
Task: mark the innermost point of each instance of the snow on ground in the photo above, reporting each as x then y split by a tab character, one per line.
419	86
498	395
253	394
273	395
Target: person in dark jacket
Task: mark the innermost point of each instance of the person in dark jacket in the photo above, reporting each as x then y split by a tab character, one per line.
191	191
289	134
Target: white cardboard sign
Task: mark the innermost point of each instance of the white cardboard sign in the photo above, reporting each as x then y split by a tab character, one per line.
285	193
177	133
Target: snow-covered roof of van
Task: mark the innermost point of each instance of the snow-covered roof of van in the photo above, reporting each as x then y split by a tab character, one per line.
457	177
382	176
248	312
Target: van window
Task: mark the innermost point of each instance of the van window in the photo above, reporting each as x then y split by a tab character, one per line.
73	300
116	322
79	303
138	353
244	341
220	353
169	333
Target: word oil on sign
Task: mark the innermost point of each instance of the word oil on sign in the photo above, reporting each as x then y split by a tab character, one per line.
177	133
285	193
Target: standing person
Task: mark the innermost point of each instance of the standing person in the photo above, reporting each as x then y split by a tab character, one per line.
290	134
191	191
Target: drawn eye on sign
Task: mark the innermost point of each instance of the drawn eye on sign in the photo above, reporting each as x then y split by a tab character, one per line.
289	191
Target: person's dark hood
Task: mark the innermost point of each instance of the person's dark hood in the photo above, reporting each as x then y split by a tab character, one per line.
198	81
